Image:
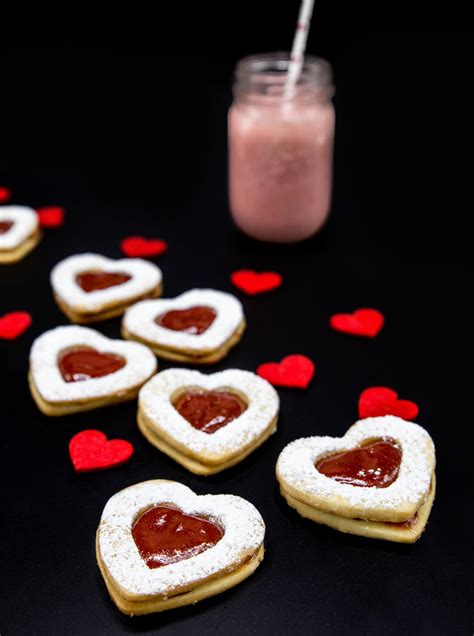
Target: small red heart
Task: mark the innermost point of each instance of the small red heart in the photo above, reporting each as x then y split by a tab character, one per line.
14	324
5	194
51	217
252	282
363	322
135	246
380	400
90	450
294	371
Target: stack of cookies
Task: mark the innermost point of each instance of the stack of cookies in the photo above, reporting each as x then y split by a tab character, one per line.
377	481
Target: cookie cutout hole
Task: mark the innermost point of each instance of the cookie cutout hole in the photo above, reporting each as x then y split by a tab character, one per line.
194	320
208	411
375	463
77	364
5	226
164	534
96	280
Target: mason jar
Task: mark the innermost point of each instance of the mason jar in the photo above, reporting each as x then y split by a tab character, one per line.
281	148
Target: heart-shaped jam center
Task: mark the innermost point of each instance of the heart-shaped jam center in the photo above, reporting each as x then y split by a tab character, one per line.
5	226
165	535
375	463
84	363
194	320
209	411
94	281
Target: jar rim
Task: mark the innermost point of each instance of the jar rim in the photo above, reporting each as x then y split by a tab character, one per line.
314	69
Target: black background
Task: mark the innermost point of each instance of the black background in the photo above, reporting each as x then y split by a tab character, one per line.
131	139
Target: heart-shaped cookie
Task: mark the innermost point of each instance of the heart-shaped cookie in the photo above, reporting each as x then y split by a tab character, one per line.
161	546
198	327
90	287
397	502
91	450
380	400
207	422
19	232
77	369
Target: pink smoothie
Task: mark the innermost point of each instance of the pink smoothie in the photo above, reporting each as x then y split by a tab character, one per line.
280	168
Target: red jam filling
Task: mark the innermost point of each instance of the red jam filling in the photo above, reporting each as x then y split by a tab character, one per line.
194	320
209	411
409	523
375	463
5	226
93	281
165	535
83	363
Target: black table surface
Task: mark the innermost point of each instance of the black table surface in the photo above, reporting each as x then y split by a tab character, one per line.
124	158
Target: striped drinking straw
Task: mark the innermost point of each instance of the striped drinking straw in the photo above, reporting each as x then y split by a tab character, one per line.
299	45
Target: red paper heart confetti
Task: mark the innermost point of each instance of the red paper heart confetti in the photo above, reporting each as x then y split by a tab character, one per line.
363	322
294	371
14	324
380	400
5	194
91	450
138	246
252	282
51	217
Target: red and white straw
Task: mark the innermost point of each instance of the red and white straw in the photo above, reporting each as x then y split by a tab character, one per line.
299	44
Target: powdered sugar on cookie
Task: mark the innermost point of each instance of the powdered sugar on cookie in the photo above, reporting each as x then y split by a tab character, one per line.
296	464
155	402
145	277
139	320
244	531
140	365
24	223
